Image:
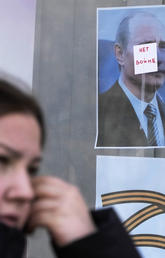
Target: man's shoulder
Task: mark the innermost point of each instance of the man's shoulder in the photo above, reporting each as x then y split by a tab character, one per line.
113	90
115	96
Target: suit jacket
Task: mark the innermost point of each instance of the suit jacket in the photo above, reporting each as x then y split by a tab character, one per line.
118	124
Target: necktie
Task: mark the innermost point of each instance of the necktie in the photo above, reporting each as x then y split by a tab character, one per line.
153	136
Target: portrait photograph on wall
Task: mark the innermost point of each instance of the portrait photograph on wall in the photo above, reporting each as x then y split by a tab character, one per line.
130	90
134	187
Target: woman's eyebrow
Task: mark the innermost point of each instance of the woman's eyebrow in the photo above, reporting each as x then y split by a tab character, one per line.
17	154
12	151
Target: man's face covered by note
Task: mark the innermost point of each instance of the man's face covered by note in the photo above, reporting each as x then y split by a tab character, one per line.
142	30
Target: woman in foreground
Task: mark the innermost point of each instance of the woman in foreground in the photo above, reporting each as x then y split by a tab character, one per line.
43	201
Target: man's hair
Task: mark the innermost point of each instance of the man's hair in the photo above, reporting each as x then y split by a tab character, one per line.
14	100
122	35
123	31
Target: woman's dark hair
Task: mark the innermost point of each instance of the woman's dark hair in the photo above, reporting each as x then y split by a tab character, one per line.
15	100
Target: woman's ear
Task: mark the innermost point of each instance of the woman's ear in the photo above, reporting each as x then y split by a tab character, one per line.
119	53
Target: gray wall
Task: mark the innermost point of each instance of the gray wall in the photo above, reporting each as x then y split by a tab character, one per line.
65	83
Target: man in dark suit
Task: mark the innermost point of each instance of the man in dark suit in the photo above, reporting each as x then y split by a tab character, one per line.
131	113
